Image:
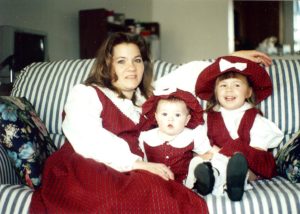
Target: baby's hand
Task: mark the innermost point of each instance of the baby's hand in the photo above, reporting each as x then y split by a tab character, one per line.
207	155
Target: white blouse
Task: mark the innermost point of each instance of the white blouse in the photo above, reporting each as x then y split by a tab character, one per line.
83	127
264	134
184	77
197	135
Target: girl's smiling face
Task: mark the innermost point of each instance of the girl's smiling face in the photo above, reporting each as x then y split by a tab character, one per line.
232	92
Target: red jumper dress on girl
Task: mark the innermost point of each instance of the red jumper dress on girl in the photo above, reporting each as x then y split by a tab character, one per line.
260	162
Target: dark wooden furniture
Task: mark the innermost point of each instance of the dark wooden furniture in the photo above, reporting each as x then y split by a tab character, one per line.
255	21
93	30
5	89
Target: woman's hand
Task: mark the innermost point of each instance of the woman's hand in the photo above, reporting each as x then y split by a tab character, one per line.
255	56
156	168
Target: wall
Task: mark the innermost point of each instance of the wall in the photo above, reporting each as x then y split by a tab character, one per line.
190	29
193	29
59	19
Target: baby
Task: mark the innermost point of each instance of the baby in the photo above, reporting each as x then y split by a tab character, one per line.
176	131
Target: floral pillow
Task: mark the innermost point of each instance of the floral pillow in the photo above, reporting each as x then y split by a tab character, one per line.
288	159
25	138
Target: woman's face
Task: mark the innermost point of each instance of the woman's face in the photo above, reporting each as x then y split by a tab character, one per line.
232	92
128	65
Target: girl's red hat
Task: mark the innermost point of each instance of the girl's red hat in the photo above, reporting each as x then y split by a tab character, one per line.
258	77
196	111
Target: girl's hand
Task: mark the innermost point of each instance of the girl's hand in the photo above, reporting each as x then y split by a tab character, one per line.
156	168
215	149
255	56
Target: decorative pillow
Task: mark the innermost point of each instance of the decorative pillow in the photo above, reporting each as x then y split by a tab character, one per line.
288	159
25	138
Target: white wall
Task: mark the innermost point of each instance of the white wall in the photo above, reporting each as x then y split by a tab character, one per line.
190	29
59	19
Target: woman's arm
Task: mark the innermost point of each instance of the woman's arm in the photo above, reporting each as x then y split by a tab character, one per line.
185	76
83	128
255	56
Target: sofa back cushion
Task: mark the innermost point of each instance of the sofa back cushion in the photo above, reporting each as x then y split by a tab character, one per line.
46	85
283	106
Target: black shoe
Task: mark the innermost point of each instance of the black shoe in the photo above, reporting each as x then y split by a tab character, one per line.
205	179
237	169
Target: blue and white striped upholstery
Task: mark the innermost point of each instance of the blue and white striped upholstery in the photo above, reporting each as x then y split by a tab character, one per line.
7	173
162	68
275	196
282	107
14	198
46	86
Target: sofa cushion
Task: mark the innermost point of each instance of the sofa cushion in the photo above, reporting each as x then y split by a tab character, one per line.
288	159
282	107
46	85
7	170
25	138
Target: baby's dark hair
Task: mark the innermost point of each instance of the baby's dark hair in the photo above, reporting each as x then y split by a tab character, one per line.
174	99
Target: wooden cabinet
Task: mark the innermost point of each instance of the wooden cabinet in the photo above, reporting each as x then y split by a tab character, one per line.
5	89
93	30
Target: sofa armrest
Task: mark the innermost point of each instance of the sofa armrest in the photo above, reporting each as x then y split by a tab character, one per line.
8	174
15	198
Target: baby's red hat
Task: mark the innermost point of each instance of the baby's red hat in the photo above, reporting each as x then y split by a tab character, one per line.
259	78
196	111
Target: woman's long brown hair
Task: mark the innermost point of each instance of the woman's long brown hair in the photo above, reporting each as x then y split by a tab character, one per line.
101	73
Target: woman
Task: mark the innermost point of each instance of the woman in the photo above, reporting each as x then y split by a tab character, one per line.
100	167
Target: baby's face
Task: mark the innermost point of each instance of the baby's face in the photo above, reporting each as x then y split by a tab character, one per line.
172	116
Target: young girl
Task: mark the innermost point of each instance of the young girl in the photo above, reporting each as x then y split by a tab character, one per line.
233	86
180	133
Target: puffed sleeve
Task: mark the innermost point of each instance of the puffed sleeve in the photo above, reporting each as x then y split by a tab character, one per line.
184	77
201	141
265	134
83	128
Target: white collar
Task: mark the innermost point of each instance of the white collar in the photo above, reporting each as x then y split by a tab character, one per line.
186	136
243	108
126	106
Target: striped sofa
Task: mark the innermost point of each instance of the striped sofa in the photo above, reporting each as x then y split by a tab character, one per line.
47	84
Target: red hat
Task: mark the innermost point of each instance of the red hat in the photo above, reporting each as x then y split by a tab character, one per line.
259	78
196	111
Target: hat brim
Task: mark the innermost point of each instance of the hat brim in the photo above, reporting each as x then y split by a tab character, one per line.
196	111
258	77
